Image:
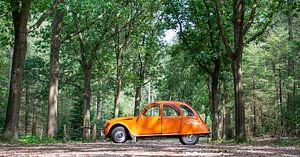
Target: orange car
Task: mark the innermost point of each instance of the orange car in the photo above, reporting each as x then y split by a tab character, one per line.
159	118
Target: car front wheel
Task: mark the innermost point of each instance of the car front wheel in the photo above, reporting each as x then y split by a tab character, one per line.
119	135
189	139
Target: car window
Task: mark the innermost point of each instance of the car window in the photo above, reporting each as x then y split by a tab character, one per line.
170	111
187	111
152	111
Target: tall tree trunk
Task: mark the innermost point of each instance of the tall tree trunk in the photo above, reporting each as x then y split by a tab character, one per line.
290	71
138	89
240	129
280	100
34	119
239	32
86	103
254	108
54	72
119	60
214	106
118	89
98	114
20	13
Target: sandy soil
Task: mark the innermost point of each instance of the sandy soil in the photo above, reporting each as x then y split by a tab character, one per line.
147	148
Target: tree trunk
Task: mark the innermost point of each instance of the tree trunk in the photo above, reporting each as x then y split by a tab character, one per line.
290	71
117	92
26	125
34	119
240	129
119	60
20	14
54	72
280	101
138	97
99	106
214	106
138	89
221	120
254	108
227	114
86	103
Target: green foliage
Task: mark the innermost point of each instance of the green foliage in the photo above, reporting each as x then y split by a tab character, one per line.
76	121
29	139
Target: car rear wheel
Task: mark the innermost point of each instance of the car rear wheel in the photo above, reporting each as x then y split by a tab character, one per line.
189	139
119	135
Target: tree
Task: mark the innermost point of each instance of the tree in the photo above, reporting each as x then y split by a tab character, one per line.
54	72
20	10
241	26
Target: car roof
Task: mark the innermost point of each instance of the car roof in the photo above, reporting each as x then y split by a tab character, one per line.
170	102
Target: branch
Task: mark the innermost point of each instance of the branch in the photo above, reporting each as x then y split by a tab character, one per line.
221	27
206	69
203	67
251	17
210	29
93	22
266	24
45	15
80	38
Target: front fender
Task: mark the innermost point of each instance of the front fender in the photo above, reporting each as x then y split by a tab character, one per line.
129	126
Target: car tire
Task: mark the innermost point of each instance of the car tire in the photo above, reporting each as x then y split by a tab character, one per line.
189	139
119	135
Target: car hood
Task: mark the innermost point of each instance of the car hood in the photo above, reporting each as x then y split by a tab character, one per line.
122	119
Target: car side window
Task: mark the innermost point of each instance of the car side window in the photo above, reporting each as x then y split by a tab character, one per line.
152	111
187	111
170	111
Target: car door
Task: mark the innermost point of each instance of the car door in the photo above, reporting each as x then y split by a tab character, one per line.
149	122
171	119
189	121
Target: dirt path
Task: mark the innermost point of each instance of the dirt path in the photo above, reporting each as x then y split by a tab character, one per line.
147	148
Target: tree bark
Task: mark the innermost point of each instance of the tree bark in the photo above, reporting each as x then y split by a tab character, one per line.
290	71
227	116
140	70
254	108
239	32
34	119
214	106
118	86
26	125
20	13
54	72
240	129
119	63
137	99
86	103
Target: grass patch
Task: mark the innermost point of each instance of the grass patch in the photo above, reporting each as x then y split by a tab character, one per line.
29	139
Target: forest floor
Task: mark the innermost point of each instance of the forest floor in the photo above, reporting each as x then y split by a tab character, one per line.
153	147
